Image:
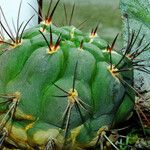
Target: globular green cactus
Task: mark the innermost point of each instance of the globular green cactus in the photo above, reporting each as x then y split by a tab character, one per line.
62	88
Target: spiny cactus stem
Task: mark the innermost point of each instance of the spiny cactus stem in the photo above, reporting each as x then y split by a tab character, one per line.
110	141
143	69
77	106
13	23
3	42
74	77
16	40
73	94
141	41
136	36
102	133
52	13
130	86
17	34
98	141
127	51
68	114
72	12
50	145
51	38
110	48
25	27
39	15
18	17
84	106
140	65
60	96
54	47
66	117
65	10
73	100
81	44
82	23
14	99
130	44
4	135
60	88
45	38
137	53
4	102
48	17
122	58
57	42
67	20
10	97
11	34
110	57
1	30
51	48
140	61
122	70
7	32
8	101
48	11
7	117
125	15
93	33
114	71
114	42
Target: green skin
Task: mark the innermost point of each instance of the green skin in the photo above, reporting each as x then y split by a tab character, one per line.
30	70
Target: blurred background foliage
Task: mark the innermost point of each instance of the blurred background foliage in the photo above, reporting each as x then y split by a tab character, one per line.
105	12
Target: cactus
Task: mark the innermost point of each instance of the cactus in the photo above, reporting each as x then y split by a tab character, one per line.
62	88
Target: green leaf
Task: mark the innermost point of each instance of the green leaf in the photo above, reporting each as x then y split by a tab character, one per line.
138	12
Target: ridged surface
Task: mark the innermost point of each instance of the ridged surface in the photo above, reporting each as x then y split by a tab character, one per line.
32	71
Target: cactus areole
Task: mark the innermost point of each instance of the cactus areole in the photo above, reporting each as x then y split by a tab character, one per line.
10	10
60	87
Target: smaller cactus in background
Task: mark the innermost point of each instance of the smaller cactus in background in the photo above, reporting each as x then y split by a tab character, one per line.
62	88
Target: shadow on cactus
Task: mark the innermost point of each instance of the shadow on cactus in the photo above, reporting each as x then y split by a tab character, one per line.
64	89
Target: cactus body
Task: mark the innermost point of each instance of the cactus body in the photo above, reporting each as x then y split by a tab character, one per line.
62	91
32	70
